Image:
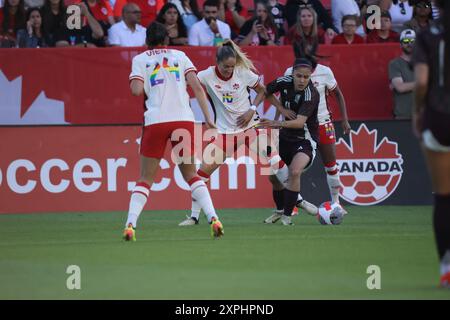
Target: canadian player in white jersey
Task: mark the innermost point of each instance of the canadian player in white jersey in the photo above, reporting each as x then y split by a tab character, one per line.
227	84
324	81
162	75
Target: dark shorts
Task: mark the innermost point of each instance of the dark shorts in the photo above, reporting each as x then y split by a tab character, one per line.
439	125
288	149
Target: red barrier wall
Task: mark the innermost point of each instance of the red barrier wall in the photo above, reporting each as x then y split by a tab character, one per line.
93	83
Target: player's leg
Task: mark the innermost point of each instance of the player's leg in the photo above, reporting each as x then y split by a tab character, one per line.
213	157
152	147
299	162
439	167
278	198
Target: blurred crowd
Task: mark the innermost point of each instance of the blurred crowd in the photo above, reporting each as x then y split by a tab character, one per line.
57	23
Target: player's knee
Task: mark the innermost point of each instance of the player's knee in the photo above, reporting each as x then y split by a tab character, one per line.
295	172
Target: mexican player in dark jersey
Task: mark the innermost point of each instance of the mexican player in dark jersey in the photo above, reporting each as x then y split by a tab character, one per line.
298	138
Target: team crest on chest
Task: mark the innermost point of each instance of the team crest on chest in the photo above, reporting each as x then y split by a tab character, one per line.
236	86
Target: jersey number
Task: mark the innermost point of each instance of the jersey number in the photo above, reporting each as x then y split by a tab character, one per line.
175	69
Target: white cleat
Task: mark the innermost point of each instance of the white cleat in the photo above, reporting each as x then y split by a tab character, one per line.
310	208
344	212
286	220
190	221
277	214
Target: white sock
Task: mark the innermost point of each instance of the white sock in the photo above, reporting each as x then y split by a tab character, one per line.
334	184
137	202
279	168
201	195
195	207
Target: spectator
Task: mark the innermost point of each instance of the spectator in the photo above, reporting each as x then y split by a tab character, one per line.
234	14
260	30
170	17
53	19
128	32
33	4
340	8
149	9
90	35
33	36
306	33
400	11
421	17
189	12
349	36
384	34
323	18
278	12
209	31
12	18
401	76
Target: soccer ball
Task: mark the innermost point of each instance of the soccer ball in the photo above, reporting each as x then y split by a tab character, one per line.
330	213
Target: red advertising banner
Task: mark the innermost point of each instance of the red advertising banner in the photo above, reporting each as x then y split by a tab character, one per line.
90	86
93	168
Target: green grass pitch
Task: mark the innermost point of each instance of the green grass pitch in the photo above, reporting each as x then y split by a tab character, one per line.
252	261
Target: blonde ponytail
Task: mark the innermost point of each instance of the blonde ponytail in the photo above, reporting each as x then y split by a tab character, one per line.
241	58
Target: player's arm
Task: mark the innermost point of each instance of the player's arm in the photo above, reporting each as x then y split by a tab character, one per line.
137	87
97	31
196	86
274	87
342	108
245	118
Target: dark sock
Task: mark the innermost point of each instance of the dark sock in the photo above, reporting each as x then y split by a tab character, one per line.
278	198
441	223
290	199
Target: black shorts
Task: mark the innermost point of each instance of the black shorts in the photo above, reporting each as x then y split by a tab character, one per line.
438	123
288	149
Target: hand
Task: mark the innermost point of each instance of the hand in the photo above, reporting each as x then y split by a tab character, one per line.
29	27
172	31
346	126
210	124
417	124
245	118
266	123
288	114
213	26
231	5
330	33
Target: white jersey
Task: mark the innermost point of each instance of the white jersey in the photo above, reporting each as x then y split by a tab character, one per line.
163	72
230	97
323	79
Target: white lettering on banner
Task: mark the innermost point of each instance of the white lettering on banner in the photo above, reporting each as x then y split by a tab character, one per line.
94	173
12	179
45	176
111	167
88	168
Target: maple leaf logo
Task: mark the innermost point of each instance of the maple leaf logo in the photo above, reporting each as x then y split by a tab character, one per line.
369	171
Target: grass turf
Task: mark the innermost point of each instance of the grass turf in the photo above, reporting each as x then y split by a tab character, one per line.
252	261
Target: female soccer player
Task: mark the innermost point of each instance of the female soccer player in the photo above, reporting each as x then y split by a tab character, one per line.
324	81
298	135
227	85
162	74
431	120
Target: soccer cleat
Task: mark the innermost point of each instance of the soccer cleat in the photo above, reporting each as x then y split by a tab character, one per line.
190	221
216	228
445	280
295	212
286	220
129	234
344	212
308	207
274	217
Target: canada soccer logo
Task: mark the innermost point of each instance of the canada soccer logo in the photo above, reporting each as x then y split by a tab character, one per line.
369	172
